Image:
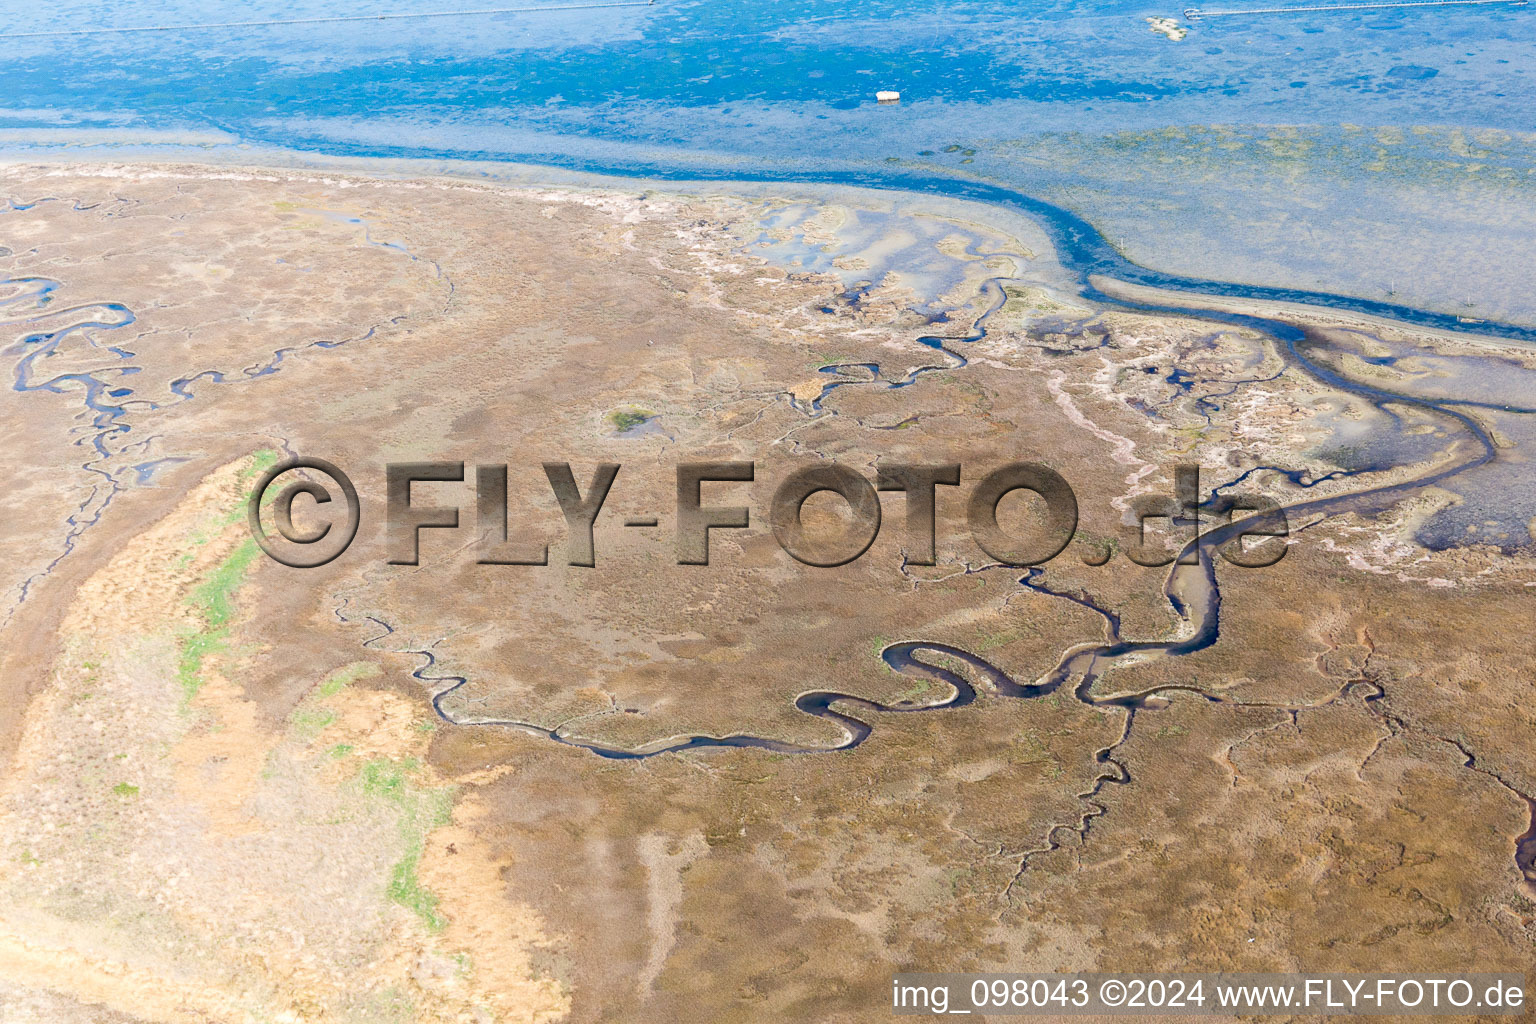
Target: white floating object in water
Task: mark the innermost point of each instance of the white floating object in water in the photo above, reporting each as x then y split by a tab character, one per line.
1168	27
888	96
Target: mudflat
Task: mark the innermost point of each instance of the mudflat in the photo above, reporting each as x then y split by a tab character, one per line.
650	790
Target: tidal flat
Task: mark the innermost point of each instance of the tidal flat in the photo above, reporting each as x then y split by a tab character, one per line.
458	791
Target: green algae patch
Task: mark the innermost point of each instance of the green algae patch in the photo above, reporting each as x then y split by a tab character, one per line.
629	419
213	600
420	810
261	461
311	722
399	790
345	677
313	713
406	890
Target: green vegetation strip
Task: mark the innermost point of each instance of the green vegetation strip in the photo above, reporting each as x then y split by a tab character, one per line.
421	811
214	602
213	599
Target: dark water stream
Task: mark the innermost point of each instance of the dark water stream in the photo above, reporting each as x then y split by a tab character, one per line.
1192	591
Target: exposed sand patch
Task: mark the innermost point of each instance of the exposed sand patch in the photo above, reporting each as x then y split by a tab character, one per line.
484	925
219	764
165	854
376	723
665	859
111	983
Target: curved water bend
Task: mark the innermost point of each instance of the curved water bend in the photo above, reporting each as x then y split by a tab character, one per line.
1191	591
1083	250
1080	247
818	703
1190	588
27	301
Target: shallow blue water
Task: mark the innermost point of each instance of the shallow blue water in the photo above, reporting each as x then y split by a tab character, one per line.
715	73
785	89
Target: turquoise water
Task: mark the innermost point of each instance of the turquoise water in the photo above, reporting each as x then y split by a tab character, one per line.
1066	101
716	75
